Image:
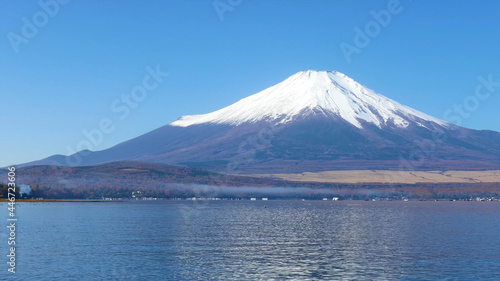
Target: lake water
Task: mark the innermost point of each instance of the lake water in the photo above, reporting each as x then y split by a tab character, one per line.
255	240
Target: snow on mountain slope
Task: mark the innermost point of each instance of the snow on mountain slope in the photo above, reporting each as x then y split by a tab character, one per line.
308	92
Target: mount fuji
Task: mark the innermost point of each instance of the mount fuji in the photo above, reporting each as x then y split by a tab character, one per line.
312	121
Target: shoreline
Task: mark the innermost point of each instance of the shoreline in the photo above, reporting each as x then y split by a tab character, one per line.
59	200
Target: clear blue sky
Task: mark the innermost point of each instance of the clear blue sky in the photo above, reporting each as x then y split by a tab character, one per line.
84	56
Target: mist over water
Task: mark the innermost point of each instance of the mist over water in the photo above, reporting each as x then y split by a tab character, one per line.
24	189
285	192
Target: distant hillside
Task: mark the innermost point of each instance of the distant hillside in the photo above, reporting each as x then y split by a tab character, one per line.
120	179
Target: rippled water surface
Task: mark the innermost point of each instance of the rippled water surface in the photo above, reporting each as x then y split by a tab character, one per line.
255	240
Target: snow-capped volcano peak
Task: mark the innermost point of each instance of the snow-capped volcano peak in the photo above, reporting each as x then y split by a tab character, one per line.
314	92
327	122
